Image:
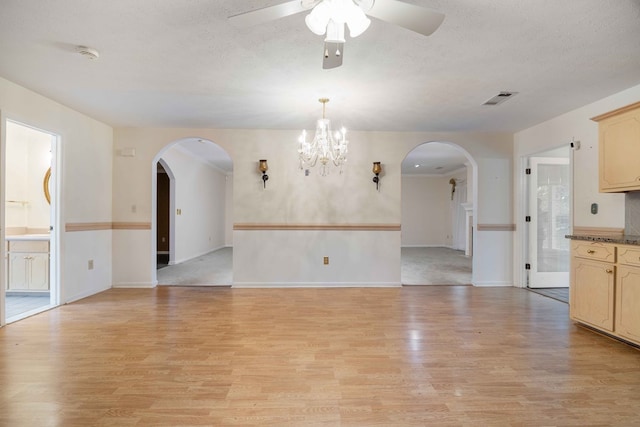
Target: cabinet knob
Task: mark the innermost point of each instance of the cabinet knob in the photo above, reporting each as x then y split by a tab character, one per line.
591	251
608	270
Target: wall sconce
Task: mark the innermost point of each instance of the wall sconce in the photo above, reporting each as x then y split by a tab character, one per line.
262	165
377	169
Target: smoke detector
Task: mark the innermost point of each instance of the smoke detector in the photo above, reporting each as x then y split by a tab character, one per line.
88	52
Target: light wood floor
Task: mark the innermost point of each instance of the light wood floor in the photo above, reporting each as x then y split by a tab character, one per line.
413	356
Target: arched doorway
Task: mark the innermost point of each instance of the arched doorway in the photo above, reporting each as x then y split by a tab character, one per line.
192	186
439	199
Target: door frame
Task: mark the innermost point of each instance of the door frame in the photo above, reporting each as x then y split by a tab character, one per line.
55	213
532	227
521	201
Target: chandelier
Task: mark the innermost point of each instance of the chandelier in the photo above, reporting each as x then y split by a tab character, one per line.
324	147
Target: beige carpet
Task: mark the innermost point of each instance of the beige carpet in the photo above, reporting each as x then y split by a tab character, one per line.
435	266
214	268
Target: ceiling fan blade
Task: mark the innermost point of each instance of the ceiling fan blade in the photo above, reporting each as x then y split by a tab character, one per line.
415	18
332	55
270	13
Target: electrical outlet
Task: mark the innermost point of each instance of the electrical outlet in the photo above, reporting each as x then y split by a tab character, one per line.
326	260
134	209
90	264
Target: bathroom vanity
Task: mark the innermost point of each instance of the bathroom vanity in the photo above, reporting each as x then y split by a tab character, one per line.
27	263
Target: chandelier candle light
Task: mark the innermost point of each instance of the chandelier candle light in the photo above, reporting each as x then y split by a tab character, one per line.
324	146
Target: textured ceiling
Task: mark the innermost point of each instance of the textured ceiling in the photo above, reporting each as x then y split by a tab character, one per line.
176	63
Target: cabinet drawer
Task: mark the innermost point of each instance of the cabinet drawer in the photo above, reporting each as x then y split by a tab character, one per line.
629	255
28	246
595	251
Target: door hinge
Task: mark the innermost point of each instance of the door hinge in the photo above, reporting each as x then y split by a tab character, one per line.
527	171
527	218
527	266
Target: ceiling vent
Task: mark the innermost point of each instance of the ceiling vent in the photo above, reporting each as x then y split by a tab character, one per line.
500	98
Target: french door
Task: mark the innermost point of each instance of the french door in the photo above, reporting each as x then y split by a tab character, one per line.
549	213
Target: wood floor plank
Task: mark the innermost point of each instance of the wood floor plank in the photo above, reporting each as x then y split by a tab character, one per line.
412	356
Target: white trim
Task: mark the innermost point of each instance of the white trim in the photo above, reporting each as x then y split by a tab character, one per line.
135	285
317	285
203	285
493	284
197	256
428	246
86	294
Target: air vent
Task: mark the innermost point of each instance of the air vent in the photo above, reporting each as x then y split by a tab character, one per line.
500	98
87	52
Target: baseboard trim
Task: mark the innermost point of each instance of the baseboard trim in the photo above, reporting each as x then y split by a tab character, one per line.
180	261
254	285
84	295
493	284
132	285
426	246
317	227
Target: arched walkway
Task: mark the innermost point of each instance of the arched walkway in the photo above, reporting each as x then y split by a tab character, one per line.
439	199
196	205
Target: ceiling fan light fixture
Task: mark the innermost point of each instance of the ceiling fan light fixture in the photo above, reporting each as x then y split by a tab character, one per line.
356	20
335	32
337	13
318	19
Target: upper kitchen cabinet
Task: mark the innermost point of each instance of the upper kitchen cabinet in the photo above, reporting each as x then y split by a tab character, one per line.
619	141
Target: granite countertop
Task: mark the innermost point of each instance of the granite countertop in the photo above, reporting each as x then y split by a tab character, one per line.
614	238
28	237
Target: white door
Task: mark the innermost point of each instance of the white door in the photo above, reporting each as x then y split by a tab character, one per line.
549	212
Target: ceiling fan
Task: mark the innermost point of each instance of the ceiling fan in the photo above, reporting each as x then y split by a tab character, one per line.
330	17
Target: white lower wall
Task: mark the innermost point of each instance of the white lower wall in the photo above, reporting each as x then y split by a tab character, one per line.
289	258
136	266
80	282
493	258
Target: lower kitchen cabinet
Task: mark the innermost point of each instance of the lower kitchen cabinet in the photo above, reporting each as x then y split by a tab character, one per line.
627	323
592	293
605	288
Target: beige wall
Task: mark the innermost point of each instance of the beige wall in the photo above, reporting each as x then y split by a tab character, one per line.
84	173
294	199
574	125
426	211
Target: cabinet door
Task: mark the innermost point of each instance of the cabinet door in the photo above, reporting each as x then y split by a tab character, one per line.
592	293
39	272
620	152
628	302
18	272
